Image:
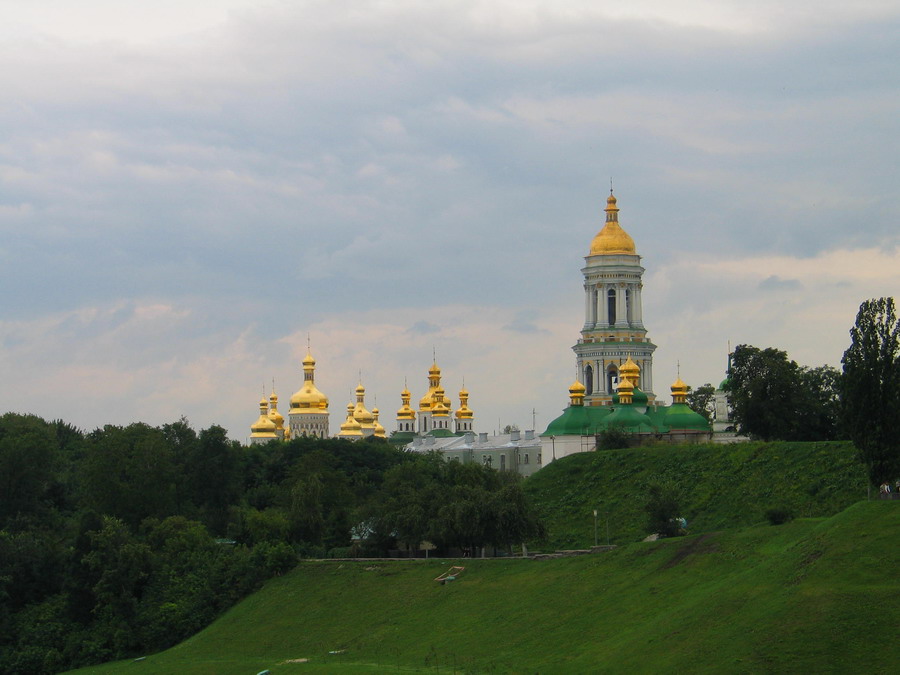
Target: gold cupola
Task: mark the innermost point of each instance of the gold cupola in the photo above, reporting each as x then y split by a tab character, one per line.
625	391
276	416
464	412
263	428
629	371
379	429
405	412
365	418
308	399
428	401
350	428
679	391
612	239
576	393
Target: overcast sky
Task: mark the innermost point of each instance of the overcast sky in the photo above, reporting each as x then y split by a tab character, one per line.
189	188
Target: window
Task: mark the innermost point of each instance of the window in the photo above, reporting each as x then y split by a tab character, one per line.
588	380
611	306
502	462
526	458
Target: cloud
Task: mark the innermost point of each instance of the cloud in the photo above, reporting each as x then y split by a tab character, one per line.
776	283
423	328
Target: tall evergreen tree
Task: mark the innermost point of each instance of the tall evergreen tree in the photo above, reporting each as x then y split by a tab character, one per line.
870	388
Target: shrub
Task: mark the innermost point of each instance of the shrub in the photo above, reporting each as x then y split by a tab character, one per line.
779	516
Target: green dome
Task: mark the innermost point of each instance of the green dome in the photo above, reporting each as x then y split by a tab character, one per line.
630	419
440	433
578	420
680	417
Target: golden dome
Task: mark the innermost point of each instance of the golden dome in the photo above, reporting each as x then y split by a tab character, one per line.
379	429
612	239
679	391
308	399
274	415
576	393
363	416
263	427
350	427
629	371
405	412
464	412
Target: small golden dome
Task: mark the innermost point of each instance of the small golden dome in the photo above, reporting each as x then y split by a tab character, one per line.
350	427
308	360
612	239
576	393
263	427
629	371
274	415
679	386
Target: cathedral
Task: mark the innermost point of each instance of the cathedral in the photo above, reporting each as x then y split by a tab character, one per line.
308	414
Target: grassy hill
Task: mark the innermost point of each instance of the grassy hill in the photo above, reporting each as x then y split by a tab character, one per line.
721	486
814	595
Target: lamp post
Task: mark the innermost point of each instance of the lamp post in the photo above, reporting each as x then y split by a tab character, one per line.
553	441
595	527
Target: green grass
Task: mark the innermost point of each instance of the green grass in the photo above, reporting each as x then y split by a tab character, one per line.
721	486
814	595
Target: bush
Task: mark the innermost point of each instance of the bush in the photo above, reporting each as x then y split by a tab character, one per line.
663	510
613	438
779	516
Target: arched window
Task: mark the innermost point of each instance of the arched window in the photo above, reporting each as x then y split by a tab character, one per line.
611	379
628	313
588	380
611	306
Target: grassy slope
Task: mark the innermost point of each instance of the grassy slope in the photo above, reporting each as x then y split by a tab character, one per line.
817	594
722	486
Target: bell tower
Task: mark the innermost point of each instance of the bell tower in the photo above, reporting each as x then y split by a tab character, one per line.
613	328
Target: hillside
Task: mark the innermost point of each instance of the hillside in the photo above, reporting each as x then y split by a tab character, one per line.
812	595
722	486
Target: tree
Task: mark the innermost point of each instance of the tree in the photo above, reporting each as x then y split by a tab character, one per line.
762	387
663	510
870	388
819	404
773	398
701	400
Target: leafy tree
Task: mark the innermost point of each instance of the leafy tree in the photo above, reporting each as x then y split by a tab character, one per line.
613	437
701	400
28	457
129	472
663	510
773	398
819	404
870	388
762	386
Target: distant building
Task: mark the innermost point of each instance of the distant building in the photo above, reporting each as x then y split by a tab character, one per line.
517	451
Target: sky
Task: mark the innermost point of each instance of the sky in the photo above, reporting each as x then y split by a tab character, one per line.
191	190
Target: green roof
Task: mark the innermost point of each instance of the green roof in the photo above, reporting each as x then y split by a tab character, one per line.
629	418
578	420
680	416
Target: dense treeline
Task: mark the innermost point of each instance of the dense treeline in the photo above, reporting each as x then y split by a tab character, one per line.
126	540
